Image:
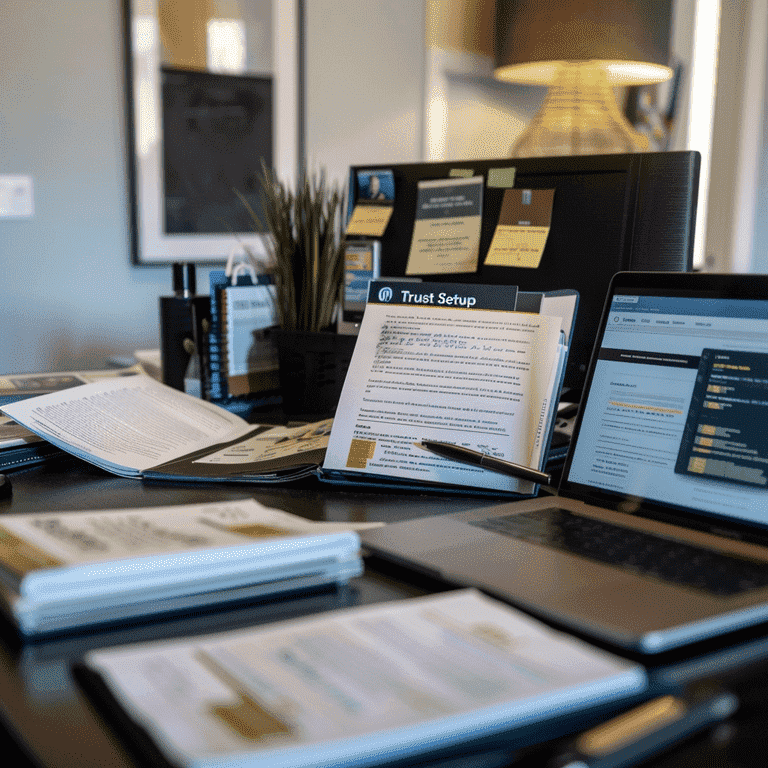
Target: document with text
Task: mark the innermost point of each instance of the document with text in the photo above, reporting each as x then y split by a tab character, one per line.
138	427
61	570
349	686
447	363
443	362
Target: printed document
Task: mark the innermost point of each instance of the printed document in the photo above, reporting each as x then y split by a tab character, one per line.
276	443
137	427
446	233
72	569
127	425
347	686
35	543
446	371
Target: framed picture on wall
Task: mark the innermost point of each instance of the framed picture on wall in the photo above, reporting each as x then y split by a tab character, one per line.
206	106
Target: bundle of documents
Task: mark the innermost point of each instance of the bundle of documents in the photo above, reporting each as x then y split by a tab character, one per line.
21	448
64	570
455	363
437	362
357	686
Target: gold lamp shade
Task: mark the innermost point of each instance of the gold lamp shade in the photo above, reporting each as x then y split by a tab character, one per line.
581	49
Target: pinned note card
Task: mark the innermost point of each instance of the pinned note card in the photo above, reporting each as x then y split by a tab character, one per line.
446	233
374	203
501	178
523	227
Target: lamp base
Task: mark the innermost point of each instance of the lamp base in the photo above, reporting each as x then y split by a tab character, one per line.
579	116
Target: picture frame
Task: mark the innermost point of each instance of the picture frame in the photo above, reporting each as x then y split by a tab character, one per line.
165	226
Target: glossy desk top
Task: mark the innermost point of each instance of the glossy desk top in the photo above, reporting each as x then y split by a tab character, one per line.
45	711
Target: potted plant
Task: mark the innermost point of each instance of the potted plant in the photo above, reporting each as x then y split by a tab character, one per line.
306	261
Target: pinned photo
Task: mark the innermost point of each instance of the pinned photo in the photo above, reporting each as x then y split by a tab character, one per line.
374	203
375	186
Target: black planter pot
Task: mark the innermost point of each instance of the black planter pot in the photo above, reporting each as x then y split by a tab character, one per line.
313	365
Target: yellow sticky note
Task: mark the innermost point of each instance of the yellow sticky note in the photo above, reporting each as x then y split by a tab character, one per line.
369	220
501	178
523	228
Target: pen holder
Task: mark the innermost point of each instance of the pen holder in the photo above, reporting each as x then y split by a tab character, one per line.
183	317
313	366
177	323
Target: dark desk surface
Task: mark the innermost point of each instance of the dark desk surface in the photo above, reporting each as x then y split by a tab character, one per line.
47	715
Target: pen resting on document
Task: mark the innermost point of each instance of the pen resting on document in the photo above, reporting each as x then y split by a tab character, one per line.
468	456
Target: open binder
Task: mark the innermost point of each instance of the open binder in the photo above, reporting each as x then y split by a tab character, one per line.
478	366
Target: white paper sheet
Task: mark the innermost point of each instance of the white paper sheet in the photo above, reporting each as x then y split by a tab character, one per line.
127	424
109	550
356	684
481	379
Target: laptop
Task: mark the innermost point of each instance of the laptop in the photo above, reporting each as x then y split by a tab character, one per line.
658	535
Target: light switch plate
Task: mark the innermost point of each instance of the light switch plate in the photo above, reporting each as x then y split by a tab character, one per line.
16	196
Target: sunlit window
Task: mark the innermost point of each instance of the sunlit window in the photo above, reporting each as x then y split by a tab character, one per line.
145	43
226	46
144	34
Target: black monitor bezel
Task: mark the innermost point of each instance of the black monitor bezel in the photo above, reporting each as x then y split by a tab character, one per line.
656	200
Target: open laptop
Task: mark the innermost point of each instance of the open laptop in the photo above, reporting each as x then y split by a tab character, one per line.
658	536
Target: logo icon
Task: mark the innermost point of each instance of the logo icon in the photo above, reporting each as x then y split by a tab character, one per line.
385	294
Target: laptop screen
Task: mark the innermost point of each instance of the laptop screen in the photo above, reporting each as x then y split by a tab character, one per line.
676	412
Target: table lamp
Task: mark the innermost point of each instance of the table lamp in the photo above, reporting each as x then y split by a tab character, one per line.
581	50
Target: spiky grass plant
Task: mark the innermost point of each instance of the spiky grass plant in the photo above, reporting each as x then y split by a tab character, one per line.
305	248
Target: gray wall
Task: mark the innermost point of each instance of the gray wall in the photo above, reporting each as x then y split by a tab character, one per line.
365	64
69	295
760	234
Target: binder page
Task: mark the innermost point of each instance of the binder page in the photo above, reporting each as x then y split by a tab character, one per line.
481	378
344	687
544	435
275	443
127	424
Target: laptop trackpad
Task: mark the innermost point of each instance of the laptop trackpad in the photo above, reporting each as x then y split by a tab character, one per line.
466	554
518	569
414	538
595	598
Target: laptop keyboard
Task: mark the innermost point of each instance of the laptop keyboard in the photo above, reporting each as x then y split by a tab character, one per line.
642	553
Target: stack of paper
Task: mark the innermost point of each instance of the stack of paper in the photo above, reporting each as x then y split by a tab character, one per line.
21	448
70	569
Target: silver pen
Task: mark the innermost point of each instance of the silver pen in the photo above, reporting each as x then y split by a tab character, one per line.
650	728
468	456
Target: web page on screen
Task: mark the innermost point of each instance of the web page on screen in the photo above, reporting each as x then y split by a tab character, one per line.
677	411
